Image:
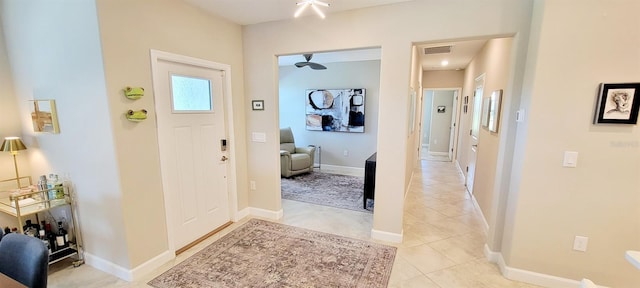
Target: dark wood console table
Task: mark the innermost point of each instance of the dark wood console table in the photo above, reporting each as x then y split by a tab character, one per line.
369	179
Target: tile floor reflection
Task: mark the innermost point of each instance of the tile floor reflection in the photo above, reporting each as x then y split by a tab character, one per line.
442	247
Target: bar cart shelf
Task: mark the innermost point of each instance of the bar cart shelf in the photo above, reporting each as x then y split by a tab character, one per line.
28	201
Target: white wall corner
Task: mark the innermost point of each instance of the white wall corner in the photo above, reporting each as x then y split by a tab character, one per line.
492	256
108	267
153	264
484	219
241	214
126	274
387	236
269	214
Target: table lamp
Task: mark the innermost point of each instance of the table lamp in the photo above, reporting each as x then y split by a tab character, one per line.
13	145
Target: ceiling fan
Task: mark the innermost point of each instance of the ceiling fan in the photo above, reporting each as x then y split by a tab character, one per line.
312	65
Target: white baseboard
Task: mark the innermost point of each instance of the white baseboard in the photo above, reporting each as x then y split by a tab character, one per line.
343	170
152	264
484	219
386	236
438	153
460	169
108	267
126	274
543	280
264	213
241	214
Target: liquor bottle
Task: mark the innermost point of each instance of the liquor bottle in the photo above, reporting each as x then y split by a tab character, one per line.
50	237
61	237
41	232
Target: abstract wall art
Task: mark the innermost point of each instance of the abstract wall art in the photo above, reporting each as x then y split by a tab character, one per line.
335	110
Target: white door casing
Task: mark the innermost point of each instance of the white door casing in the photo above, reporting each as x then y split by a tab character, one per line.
475	131
196	179
452	127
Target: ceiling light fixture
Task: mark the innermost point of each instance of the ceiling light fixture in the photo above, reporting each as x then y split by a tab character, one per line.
314	4
444	63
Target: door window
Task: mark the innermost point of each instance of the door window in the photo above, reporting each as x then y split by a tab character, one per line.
190	94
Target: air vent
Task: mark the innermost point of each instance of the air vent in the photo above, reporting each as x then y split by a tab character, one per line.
437	50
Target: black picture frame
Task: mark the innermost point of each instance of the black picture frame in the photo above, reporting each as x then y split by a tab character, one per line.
257	105
618	103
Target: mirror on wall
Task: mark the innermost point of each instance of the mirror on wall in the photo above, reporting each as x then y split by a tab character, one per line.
44	116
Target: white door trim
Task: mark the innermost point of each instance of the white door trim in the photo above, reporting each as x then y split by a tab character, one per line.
156	56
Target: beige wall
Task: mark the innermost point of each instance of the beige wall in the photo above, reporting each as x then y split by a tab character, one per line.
55	53
448	79
392	27
170	26
599	199
9	126
442	79
493	60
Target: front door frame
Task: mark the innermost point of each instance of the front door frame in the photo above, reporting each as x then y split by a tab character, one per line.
156	56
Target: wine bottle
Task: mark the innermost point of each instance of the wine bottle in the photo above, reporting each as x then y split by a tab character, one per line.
61	237
41	232
50	237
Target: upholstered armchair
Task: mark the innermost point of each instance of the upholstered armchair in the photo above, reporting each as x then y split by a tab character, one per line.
294	160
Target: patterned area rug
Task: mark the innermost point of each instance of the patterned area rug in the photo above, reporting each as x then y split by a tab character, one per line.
327	189
266	254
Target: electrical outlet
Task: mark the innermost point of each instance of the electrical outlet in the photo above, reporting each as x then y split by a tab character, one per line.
580	243
252	184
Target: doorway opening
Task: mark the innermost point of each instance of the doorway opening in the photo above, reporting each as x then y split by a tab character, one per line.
334	110
440	116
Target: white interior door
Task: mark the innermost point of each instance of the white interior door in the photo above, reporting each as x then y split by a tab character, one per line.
191	128
475	130
452	128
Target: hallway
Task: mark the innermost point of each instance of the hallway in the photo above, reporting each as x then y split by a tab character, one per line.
442	248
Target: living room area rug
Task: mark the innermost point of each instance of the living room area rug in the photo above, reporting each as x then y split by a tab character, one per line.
266	254
335	190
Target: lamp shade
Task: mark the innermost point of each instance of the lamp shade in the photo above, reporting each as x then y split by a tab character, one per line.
12	144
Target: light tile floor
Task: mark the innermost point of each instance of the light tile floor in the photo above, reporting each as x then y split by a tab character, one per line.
442	248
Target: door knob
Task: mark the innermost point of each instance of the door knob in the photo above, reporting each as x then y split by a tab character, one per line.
224	158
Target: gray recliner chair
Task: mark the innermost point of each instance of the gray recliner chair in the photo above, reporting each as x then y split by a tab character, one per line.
294	160
25	259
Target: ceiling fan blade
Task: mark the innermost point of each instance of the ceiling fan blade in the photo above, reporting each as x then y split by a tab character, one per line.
301	64
316	66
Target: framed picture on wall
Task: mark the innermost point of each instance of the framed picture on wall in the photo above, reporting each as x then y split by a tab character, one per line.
494	110
618	104
486	102
335	110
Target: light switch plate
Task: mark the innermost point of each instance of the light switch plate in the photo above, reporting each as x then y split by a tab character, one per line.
570	159
259	137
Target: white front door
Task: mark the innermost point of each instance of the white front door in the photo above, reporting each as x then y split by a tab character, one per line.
191	127
475	130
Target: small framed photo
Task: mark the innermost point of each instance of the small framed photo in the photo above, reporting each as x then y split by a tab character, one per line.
618	103
441	109
257	104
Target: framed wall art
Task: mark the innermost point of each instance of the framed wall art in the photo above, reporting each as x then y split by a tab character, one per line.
494	110
335	110
618	103
44	116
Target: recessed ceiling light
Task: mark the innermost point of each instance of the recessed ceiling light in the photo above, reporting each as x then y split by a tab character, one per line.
444	63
